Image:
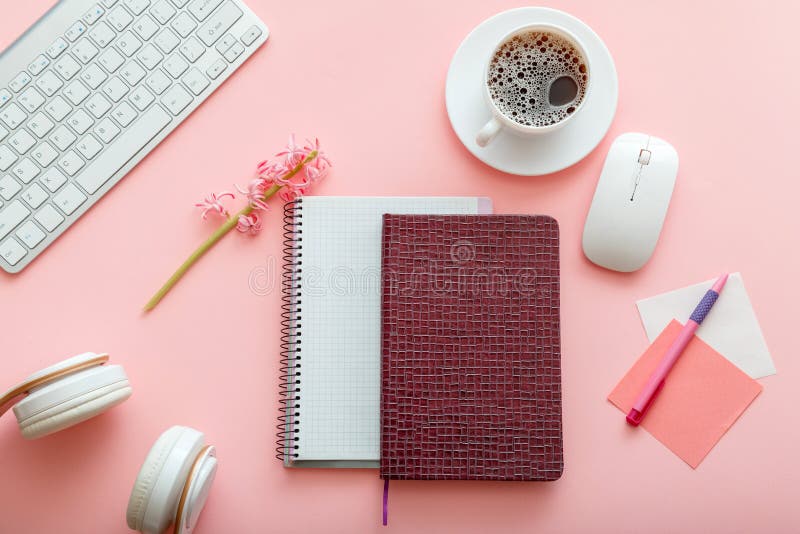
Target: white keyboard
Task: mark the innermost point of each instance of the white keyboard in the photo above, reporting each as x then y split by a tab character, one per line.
90	89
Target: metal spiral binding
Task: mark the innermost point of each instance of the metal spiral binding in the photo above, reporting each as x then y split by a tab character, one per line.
288	420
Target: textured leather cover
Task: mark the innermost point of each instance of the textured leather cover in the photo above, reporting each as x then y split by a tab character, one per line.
471	348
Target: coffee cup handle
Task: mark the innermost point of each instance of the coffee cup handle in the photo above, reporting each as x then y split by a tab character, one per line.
488	132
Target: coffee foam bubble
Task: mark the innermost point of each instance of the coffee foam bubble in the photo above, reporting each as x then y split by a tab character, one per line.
522	71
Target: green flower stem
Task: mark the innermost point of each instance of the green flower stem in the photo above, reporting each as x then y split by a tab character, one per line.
218	234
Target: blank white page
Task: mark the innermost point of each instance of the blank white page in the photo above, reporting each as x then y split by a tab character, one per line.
340	324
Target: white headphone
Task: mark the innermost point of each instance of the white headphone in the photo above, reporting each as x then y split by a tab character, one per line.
66	394
174	481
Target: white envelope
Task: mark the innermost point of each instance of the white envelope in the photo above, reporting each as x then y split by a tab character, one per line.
731	327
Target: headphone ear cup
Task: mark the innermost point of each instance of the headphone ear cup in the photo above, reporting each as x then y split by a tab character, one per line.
71	399
154	498
77	410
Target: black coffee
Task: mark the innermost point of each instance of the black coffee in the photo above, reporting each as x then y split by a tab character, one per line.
537	78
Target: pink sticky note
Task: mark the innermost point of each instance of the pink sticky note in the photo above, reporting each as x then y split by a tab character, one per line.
702	397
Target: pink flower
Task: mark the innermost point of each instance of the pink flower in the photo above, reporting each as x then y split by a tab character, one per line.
291	192
213	203
271	172
293	153
319	166
249	224
255	193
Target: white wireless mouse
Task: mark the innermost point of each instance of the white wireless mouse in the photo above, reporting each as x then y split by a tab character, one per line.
630	202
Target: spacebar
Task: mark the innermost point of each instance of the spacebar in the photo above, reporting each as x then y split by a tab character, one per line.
123	148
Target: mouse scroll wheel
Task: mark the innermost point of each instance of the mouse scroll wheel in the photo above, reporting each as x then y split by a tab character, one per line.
644	156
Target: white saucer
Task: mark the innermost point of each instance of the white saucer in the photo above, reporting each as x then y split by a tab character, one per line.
547	153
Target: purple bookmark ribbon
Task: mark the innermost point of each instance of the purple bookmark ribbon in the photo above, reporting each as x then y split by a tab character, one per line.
385	502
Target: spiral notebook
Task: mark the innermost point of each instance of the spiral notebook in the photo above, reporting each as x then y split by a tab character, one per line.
331	348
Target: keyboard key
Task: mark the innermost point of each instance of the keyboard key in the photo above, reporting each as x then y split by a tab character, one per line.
98	105
80	121
76	92
20	81
158	82
55	49
31	99
67	67
70	163
22	141
219	23
145	27
44	154
10	216
132	73
7	157
62	137
69	199
89	147
119	18
93	76
34	197
124	114
53	179
176	99
9	187
5	96
195	81
128	44
234	52
137	6
251	35
12	115
192	49
126	146
149	56
175	65
184	24
12	251
26	170
216	68
115	89
141	98
111	60
203	8
30	234
106	130
49	83
93	15
102	34
84	50
38	65
225	43
167	40
58	108
40	125
49	218
75	31
163	11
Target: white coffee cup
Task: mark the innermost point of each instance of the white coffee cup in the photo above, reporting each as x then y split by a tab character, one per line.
499	120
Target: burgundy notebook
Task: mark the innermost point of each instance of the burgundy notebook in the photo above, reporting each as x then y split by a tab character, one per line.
471	348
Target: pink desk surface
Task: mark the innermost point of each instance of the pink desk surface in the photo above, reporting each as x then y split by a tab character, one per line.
717	79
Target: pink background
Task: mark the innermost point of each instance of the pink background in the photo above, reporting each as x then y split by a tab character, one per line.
716	79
